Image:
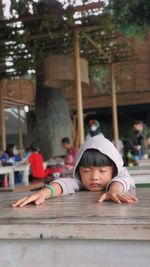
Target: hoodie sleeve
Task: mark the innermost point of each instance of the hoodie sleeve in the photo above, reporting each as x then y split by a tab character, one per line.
69	185
124	178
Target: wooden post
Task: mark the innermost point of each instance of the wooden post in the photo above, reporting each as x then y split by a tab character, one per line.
114	107
2	119
78	88
20	132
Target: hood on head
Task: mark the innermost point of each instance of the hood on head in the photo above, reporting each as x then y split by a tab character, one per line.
100	143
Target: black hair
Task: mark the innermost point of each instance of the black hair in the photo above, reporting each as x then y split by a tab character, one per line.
9	150
65	140
34	147
94	158
28	149
138	122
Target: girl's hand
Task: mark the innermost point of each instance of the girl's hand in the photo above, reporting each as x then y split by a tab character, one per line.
38	198
117	197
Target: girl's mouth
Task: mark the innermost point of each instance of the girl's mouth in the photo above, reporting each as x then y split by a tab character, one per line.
95	185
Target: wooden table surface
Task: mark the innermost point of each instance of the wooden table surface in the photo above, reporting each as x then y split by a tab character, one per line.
76	216
141	174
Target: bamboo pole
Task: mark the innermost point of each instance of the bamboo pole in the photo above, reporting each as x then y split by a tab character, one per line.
20	132
2	120
78	88
114	101
114	107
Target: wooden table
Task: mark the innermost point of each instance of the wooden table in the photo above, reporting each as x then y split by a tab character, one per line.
76	231
141	174
10	172
25	169
143	162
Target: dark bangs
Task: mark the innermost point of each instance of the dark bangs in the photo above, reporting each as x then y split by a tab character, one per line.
94	158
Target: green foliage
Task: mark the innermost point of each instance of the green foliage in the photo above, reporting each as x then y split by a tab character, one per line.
100	76
20	7
132	17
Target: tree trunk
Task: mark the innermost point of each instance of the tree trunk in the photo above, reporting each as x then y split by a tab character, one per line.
53	121
31	127
1	10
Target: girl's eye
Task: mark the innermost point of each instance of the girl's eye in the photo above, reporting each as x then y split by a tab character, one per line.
102	170
85	170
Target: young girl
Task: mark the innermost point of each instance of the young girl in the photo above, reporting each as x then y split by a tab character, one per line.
98	167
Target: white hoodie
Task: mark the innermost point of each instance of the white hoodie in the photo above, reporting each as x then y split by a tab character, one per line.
100	143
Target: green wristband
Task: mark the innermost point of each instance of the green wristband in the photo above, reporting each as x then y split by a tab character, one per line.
52	188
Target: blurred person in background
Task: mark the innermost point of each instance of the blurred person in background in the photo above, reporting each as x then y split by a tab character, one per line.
94	128
137	140
10	155
70	152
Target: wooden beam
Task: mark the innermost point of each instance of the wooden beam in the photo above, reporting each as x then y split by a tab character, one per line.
2	119
87	7
105	101
78	88
14	102
114	107
31	18
97	46
20	132
56	33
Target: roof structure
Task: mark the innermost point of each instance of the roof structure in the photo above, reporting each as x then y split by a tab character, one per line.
51	28
25	40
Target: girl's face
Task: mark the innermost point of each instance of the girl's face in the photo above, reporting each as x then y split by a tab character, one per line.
96	178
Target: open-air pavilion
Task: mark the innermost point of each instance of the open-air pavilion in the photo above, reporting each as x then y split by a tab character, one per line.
78	36
63	46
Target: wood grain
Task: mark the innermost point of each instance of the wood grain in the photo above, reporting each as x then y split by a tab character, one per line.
77	216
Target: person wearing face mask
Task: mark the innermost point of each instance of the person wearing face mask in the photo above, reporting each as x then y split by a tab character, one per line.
137	140
94	128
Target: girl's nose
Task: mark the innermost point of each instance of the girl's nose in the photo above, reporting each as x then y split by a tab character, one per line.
95	175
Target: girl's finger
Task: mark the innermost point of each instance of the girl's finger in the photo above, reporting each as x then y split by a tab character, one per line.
102	198
127	199
134	198
39	201
30	199
18	202
115	198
